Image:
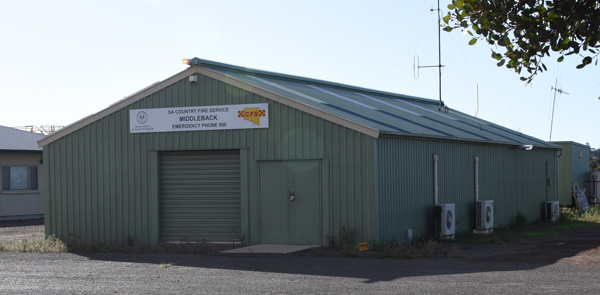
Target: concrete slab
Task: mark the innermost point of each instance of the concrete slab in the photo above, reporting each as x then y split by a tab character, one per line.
270	249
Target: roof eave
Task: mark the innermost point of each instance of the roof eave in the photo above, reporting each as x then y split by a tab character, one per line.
116	106
457	139
21	152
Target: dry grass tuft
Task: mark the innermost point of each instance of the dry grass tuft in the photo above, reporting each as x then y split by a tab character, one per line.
48	245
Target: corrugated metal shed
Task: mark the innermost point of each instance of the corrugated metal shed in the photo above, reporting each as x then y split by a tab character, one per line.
363	156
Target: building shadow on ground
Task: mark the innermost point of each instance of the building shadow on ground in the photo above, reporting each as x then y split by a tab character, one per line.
581	246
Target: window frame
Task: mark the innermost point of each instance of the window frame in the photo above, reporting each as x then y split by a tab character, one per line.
32	179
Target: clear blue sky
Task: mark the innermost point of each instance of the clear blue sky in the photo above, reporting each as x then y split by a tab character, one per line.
63	60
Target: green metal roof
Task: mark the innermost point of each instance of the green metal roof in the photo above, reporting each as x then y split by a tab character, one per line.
375	113
390	113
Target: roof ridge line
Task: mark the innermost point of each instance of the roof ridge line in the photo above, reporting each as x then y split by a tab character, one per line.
209	63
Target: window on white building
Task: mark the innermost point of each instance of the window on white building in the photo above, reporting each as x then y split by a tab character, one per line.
15	178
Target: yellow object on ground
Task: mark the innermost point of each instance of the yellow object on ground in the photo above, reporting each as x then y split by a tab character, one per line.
362	247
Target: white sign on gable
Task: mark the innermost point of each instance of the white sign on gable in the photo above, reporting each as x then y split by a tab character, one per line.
240	116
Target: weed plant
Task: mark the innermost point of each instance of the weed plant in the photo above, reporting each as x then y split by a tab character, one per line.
348	242
74	245
521	231
49	245
195	247
591	215
426	248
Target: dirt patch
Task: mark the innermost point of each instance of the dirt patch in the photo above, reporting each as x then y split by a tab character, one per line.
575	246
535	244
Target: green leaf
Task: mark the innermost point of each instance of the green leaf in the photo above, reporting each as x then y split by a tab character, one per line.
473	41
446	19
496	56
523	79
580	66
501	63
458	3
561	58
451	7
448	29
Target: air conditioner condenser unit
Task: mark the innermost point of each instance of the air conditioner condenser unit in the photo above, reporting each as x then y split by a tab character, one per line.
552	210
484	214
445	220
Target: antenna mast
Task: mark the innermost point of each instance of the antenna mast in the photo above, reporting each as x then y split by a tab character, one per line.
554	103
416	65
439	56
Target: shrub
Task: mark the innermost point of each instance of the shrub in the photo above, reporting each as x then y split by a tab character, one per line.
48	245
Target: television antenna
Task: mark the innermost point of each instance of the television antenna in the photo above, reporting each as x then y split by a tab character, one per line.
416	65
553	88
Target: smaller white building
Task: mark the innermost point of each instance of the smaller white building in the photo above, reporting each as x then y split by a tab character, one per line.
21	194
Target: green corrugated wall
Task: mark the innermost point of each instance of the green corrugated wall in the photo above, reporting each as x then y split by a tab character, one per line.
516	180
566	174
572	169
103	182
580	159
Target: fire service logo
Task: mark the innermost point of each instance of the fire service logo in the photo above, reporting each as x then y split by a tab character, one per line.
142	117
252	114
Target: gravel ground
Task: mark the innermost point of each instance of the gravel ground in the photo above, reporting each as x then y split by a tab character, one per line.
116	273
565	264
